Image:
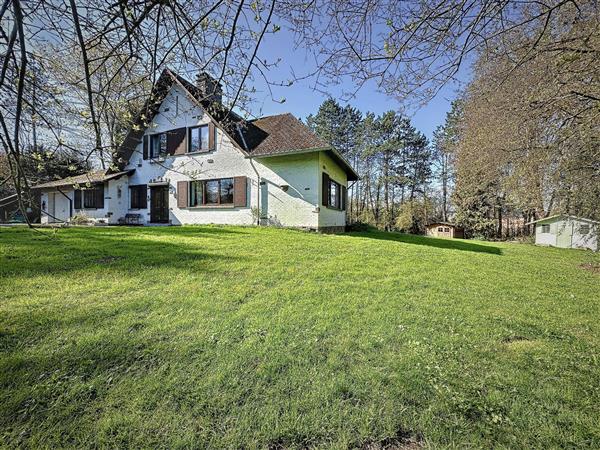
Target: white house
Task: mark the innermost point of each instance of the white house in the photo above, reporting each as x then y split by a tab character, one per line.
567	232
188	160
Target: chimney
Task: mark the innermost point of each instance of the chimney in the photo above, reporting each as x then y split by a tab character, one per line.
210	88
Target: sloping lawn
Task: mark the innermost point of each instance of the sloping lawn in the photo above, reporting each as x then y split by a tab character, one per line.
210	337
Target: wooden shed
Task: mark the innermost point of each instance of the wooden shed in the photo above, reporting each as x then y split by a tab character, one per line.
567	231
445	230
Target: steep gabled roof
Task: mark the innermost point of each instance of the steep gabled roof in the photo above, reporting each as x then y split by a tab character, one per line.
267	136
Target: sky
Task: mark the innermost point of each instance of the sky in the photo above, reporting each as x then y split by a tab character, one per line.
302	100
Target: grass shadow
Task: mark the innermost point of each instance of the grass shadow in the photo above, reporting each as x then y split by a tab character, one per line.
450	244
105	249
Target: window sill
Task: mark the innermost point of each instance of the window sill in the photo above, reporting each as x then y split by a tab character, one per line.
227	206
334	208
158	159
198	152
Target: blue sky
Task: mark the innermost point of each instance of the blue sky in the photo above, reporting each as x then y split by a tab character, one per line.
301	99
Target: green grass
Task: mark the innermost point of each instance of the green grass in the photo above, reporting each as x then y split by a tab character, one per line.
222	337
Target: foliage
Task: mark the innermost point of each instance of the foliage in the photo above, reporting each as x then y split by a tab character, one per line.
40	165
233	337
529	132
80	219
338	126
445	142
393	158
414	215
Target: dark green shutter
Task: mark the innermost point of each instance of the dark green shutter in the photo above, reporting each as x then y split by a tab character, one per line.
77	201
143	199
344	197
145	146
100	196
325	192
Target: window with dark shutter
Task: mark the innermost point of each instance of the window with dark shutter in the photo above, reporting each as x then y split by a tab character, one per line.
93	198
158	145
202	138
212	192
325	190
334	193
139	196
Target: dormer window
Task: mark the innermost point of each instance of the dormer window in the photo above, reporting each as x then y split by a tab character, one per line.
158	145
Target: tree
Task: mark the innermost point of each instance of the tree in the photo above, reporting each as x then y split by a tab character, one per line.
414	215
445	141
341	128
411	49
529	133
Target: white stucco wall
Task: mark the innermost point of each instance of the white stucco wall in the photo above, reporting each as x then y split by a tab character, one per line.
294	208
589	240
545	238
331	217
61	207
116	201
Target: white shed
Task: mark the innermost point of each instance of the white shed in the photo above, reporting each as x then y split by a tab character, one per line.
567	232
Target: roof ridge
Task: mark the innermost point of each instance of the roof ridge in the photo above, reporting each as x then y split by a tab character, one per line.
273	115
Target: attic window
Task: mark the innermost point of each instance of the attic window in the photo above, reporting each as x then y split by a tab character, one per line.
158	145
546	228
200	139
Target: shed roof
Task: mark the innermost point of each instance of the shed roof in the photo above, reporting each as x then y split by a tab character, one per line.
446	224
557	216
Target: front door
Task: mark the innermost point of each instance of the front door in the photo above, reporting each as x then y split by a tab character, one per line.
159	204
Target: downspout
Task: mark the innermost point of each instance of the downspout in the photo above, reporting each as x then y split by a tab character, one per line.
255	171
70	202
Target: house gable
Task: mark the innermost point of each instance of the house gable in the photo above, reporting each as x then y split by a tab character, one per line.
180	103
273	135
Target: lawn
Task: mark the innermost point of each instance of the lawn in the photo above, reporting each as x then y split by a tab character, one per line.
225	337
